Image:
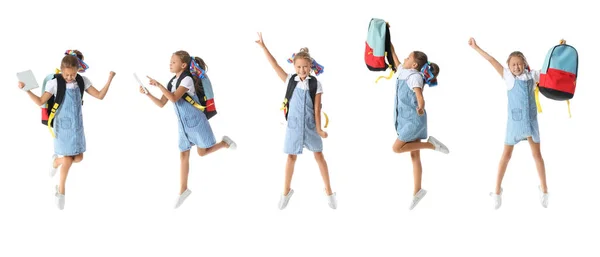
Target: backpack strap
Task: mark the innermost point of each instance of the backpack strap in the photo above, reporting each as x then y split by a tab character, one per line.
61	86
536	93
564	42
312	88
388	54
288	95
81	84
185	96
388	48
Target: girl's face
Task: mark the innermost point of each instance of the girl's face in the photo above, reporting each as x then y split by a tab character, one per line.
409	62
302	67
176	65
69	74
516	65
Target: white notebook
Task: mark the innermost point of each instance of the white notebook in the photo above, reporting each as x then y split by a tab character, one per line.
29	80
140	83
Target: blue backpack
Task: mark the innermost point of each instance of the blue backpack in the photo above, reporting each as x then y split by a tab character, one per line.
558	76
378	47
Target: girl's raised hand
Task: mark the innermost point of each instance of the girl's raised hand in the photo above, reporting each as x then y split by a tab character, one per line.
21	85
260	41
472	43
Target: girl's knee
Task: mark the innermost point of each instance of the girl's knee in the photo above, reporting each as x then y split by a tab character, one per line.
78	158
397	147
319	156
202	152
292	157
415	155
184	155
68	160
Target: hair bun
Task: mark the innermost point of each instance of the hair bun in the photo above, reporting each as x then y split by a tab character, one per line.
304	49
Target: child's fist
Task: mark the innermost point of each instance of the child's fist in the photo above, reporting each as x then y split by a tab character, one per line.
472	42
420	111
322	133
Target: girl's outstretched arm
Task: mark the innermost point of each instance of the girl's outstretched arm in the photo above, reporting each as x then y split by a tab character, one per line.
159	102
173	97
280	72
36	99
488	57
396	60
102	93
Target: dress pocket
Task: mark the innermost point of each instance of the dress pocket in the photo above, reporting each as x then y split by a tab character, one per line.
65	123
292	123
517	114
406	112
191	121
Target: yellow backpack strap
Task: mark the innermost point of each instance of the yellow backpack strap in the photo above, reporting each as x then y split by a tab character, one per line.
53	112
51	117
190	100
537	98
388	77
283	105
569	106
391	71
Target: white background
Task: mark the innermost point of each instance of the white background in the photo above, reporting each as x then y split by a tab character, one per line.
120	198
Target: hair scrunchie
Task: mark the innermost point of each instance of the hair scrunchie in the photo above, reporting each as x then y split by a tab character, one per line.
82	65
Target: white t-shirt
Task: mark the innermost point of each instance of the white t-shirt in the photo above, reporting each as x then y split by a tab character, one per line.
412	80
509	78
186	82
51	85
303	84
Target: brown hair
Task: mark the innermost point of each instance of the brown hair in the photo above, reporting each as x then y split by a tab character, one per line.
421	59
70	61
517	54
187	59
303	54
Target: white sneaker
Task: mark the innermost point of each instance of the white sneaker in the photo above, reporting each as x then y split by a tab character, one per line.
285	199
417	198
232	145
439	146
52	169
332	201
497	199
182	197
543	197
59	199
